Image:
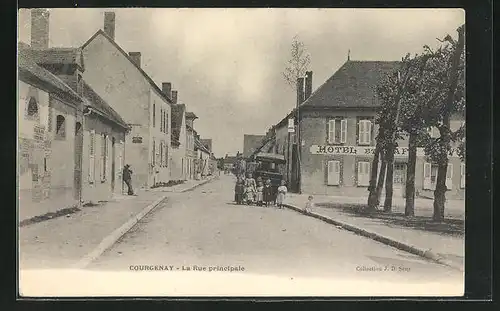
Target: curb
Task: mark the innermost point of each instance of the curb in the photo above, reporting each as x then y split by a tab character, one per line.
111	239
380	238
198	185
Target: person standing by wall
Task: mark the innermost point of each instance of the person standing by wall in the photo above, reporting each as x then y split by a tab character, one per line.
127	178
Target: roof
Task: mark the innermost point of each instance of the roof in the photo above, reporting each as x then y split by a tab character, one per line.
176	122
191	115
58	56
353	85
266	145
251	143
272	157
146	76
200	146
207	142
28	68
97	103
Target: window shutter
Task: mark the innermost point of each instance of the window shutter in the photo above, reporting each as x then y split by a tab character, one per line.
154	152
343	131
360	173
449	176
331	131
462	175
368	130
166	155
427	176
92	156
361	131
333	173
166	123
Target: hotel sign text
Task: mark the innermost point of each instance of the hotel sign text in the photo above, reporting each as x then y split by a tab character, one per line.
359	150
366	151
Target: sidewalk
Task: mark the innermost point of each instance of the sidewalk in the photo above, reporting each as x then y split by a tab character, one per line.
186	186
64	241
447	249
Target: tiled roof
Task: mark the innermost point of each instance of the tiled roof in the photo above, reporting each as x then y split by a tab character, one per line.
251	143
353	85
28	68
176	121
100	105
58	56
200	146
145	75
191	115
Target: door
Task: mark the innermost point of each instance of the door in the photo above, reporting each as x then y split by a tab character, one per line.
399	179
77	183
434	172
295	172
113	169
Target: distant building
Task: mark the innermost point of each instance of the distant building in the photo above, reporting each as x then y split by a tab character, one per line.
251	143
338	137
179	141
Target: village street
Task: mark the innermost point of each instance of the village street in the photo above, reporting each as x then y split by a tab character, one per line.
204	228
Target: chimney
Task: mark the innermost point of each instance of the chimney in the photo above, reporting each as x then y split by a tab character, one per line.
308	83
40	28
136	58
166	88
300	91
174	97
109	24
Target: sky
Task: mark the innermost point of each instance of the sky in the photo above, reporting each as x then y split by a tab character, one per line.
227	64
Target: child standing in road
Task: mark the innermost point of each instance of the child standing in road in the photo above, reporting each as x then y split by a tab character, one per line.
250	189
282	190
268	192
238	191
260	193
309	204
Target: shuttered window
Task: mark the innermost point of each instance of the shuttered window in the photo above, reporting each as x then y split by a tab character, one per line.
364	133
427	176
154	114
363	173
154	153
91	156
337	131
104	156
449	176
166	155
166	122
333	171
462	175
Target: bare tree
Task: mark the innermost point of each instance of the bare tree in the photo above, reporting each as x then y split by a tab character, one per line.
297	64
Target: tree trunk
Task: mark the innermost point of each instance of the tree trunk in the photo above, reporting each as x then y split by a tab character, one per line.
381	177
440	192
410	175
389	179
372	197
444	130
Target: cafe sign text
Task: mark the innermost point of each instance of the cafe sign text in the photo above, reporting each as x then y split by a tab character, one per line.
359	150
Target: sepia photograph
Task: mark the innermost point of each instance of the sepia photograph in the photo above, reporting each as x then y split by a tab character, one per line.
264	152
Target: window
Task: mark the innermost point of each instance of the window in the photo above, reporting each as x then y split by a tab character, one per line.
154	114
166	155
104	156
161	120
60	127
363	173
333	173
91	156
161	154
337	131
166	122
430	176
32	110
462	175
433	132
449	176
365	131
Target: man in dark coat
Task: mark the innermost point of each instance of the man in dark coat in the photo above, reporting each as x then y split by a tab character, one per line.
127	178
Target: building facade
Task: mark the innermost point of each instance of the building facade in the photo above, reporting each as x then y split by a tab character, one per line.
179	137
119	79
48	156
337	139
191	154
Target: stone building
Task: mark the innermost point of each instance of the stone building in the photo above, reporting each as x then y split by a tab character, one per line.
337	137
191	155
47	154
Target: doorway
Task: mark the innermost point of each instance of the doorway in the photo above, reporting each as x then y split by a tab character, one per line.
113	169
77	183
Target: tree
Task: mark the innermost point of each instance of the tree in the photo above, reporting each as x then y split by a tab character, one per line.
297	64
450	75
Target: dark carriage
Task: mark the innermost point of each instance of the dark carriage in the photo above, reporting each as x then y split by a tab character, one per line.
265	166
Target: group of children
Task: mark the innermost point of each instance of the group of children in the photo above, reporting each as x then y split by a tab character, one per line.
248	191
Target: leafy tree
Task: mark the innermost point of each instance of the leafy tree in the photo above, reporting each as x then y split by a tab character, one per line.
297	64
